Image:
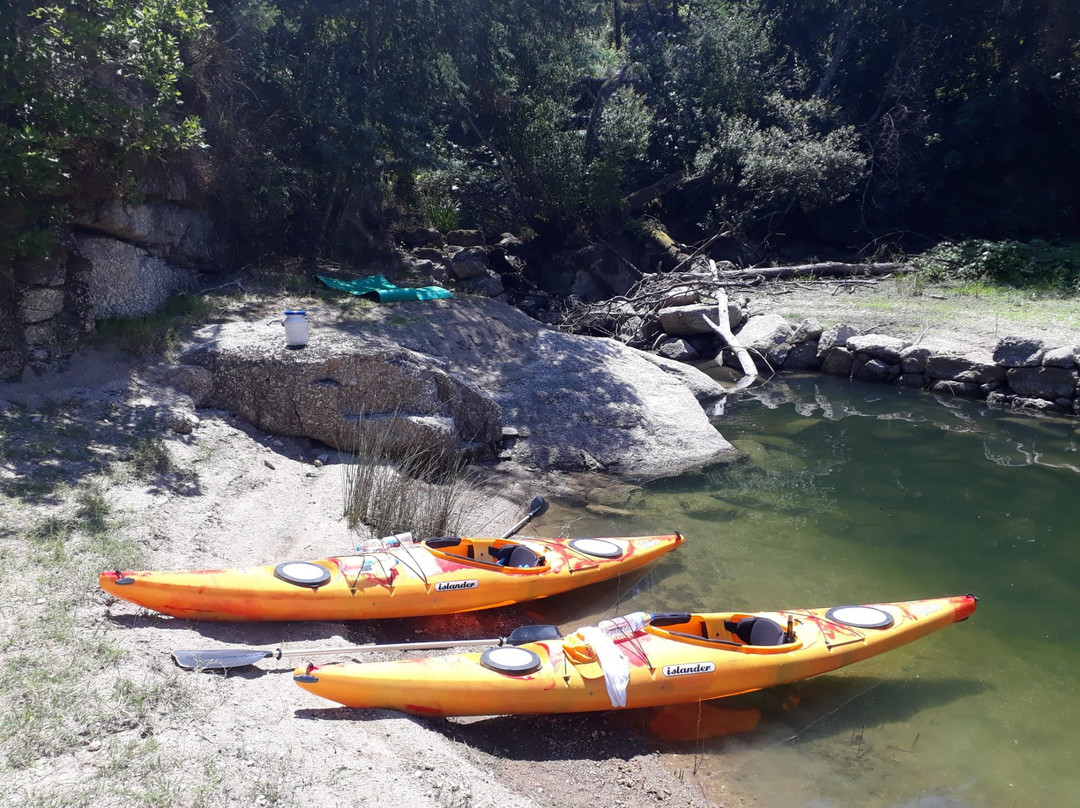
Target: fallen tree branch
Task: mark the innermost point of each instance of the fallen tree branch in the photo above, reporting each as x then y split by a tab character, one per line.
723	328
829	269
234	282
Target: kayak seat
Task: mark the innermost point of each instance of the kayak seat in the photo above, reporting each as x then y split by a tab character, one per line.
758	631
517	555
444	541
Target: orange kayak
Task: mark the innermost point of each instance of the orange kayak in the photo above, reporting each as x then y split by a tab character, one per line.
434	576
637	661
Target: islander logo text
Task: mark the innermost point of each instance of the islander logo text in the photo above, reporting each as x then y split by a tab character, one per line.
689	668
450	586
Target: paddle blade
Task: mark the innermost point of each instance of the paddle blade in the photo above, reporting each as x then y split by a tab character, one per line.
538	507
524	634
221	659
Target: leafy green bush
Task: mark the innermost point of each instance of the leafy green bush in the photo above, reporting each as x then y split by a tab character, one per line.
89	89
1037	264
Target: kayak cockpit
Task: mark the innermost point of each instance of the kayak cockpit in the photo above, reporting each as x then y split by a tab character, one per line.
510	555
743	632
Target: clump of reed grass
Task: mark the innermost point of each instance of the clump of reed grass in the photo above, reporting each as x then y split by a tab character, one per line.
396	481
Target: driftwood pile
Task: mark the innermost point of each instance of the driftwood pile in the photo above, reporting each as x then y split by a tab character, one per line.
634	317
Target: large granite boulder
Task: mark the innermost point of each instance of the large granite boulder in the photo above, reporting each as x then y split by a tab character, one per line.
682	321
878	346
767	337
328	389
474	366
975	367
1045	382
1019	352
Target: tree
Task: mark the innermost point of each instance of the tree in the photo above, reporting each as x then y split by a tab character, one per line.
967	108
314	108
85	90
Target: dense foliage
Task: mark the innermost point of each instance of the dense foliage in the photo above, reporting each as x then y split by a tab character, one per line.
328	122
87	89
1034	265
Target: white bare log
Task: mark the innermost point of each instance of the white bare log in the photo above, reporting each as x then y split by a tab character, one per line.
723	328
830	269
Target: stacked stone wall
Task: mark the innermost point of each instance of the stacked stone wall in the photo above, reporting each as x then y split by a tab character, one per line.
1018	372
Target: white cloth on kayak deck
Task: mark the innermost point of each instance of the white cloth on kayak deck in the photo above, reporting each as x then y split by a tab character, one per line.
613	663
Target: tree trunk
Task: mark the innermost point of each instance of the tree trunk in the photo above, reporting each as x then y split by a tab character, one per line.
602	95
840	46
639	199
617	22
832	269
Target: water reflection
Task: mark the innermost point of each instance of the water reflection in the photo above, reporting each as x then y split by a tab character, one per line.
853	493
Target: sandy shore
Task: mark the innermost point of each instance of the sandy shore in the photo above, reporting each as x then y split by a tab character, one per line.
234	497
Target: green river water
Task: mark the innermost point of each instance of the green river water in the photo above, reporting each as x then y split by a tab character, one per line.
857	493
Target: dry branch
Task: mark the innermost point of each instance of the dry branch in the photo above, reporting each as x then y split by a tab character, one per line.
828	269
723	327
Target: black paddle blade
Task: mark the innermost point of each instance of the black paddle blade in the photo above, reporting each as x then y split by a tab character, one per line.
538	507
218	660
524	634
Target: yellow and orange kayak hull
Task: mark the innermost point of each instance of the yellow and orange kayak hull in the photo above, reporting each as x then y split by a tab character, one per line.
436	576
669	663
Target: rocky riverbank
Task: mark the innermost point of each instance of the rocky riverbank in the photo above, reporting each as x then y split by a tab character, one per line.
1017	372
1014	349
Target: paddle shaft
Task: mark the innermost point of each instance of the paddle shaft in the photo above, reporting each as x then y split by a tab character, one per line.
223	659
227	658
280	653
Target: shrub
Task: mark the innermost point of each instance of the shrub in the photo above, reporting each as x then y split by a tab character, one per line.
1038	264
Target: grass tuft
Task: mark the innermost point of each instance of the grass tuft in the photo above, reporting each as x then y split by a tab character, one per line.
394	483
151	457
157	332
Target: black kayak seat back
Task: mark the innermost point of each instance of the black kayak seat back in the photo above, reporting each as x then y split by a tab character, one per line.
444	541
758	631
517	555
662	619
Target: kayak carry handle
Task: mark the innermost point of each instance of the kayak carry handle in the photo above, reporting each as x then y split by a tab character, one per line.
443	541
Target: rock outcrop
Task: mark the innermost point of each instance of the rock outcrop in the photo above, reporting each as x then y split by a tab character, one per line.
116	258
330	388
469	371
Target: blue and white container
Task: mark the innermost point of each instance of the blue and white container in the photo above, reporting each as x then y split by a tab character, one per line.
296	328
